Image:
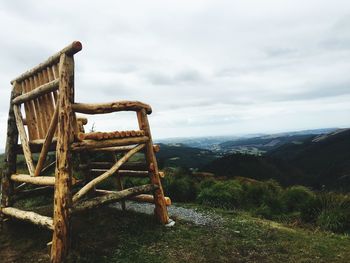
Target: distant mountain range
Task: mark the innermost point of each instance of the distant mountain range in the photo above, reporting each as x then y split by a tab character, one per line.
255	144
318	161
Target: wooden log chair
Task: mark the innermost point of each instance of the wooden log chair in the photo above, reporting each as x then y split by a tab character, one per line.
45	94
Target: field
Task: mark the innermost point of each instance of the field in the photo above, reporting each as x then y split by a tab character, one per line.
110	235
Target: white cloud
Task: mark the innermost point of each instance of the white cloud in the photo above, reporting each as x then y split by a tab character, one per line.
206	67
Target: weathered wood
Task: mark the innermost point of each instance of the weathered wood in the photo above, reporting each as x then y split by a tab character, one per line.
116	149
24	139
160	207
149	199
37	92
38	180
108	135
69	50
123	173
63	179
28	216
10	157
99	108
119	182
126	166
47	143
30	114
90	144
112	197
107	174
40	126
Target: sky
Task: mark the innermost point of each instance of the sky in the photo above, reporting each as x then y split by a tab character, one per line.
206	67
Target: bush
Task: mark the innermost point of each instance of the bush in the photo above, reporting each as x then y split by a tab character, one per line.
262	195
297	198
334	212
179	186
226	194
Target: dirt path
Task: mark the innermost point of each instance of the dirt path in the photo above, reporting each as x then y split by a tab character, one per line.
176	212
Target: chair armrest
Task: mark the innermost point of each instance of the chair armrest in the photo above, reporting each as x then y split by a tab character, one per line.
99	108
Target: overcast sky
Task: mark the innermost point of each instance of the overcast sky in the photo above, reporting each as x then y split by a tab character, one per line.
206	67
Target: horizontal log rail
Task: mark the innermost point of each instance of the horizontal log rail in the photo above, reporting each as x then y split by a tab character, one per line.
38	180
29	216
107	165
109	135
106	174
112	197
69	50
100	108
130	173
90	144
37	92
145	198
149	199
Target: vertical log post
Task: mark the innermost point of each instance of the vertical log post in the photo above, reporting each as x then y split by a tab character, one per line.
10	157
161	212
63	174
119	181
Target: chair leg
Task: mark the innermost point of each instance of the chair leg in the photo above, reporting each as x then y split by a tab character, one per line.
10	159
161	212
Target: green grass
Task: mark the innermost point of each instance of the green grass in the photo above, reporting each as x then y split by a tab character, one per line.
109	235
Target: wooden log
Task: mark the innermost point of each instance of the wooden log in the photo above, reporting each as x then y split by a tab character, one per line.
28	216
37	92
24	139
119	182
107	174
47	143
63	175
112	149
38	180
100	108
90	144
105	135
112	197
161	212
123	173
126	166
149	199
69	50
10	157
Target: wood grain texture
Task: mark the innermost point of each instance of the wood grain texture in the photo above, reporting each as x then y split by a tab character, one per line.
29	216
62	197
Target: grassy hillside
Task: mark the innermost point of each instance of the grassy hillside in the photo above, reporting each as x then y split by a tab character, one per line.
320	163
109	235
179	155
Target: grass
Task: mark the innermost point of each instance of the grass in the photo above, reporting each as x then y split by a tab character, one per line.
109	235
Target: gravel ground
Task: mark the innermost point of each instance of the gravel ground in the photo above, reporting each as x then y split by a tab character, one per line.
176	212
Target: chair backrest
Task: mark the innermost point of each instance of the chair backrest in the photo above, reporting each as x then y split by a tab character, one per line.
39	90
39	111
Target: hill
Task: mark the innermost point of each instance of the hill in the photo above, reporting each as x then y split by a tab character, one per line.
118	236
180	155
318	161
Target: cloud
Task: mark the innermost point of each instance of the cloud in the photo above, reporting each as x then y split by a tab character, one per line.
206	67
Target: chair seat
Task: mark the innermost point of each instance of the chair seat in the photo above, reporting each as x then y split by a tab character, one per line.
97	136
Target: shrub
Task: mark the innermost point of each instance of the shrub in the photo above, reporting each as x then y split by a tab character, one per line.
226	194
297	198
179	186
334	212
263	194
